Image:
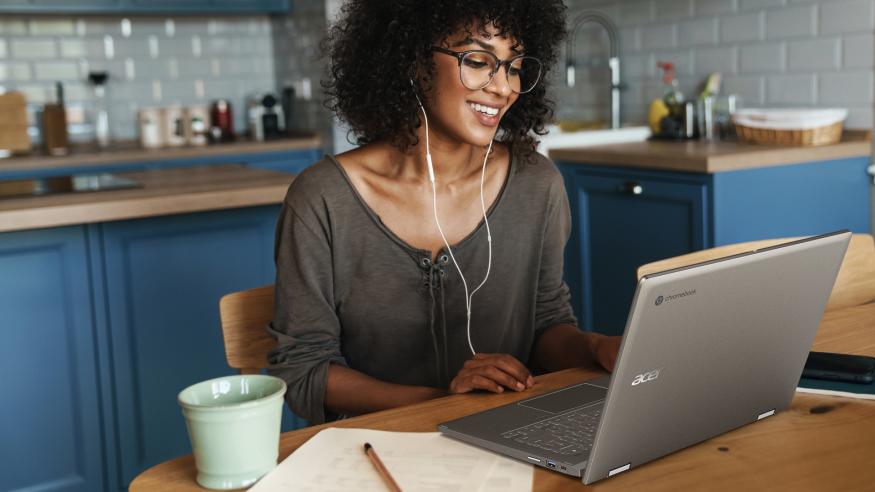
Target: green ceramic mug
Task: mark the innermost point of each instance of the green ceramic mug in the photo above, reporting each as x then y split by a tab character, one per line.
234	426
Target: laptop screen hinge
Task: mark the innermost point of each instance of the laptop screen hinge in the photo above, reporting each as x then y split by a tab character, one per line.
619	469
766	414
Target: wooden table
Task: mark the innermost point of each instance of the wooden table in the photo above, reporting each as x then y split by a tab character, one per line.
819	443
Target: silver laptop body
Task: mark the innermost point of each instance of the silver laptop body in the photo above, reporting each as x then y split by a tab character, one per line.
707	348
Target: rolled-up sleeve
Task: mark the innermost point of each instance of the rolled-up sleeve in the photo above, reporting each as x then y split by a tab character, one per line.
553	302
305	322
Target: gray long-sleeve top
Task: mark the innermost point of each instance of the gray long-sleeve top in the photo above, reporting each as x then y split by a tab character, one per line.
349	291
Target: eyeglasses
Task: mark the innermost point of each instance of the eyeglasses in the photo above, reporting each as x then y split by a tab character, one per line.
478	67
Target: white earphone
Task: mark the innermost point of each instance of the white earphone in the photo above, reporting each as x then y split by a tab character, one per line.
431	176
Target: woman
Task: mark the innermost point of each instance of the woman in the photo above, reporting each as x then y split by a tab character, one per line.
372	306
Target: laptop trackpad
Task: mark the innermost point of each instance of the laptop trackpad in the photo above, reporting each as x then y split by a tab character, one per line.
568	398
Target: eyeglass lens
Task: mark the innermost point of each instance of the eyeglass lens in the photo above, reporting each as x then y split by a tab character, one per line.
478	68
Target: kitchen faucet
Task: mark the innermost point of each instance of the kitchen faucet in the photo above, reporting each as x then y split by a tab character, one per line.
613	62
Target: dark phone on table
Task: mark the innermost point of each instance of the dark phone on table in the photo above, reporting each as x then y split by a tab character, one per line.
840	367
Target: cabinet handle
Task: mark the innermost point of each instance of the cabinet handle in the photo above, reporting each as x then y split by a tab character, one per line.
633	188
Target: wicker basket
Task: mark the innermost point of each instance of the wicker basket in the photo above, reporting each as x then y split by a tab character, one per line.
823	135
790	126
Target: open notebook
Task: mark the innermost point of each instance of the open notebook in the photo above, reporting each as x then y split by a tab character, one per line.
333	460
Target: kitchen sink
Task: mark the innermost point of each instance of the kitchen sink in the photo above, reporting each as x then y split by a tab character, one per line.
557	139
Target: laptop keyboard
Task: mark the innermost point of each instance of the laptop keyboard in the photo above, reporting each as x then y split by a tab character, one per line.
570	433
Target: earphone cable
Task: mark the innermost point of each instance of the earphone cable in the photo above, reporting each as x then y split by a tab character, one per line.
468	298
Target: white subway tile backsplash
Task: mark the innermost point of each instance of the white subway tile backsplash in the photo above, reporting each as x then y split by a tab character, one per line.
13	26
637	67
791	22
815	54
133	47
195	69
630	39
857	50
52	27
851	87
762	58
673	9
659	36
77	91
847	16
712	7
751	90
196	46
154	47
51	71
635	12
34	48
73	48
173	68
859	117
759	4
130	69
108	47
792	89
35	94
743	27
698	32
683	62
723	60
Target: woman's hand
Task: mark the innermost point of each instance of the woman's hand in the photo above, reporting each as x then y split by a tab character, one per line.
492	372
605	351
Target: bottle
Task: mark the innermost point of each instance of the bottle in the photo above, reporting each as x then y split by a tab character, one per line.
673	97
667	115
55	125
101	113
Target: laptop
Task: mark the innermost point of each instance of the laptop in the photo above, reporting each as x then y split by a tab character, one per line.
707	348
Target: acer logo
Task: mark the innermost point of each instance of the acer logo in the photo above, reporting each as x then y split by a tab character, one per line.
647	376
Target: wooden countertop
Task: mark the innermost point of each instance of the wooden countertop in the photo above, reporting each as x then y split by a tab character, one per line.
163	192
125	152
712	157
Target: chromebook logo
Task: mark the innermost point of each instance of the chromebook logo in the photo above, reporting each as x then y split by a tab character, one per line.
664	299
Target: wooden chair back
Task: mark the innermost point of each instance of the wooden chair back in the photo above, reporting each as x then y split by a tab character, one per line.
244	315
855	284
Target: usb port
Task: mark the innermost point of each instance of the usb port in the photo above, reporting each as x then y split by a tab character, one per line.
551	464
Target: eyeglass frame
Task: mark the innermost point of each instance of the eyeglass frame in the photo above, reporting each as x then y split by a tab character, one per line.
459	55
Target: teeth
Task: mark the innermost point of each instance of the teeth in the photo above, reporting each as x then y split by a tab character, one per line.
484	109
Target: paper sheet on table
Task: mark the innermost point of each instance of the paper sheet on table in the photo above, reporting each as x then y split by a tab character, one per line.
333	460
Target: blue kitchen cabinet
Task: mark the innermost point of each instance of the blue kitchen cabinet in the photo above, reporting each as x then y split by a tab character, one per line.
124	7
620	221
624	217
51	415
164	278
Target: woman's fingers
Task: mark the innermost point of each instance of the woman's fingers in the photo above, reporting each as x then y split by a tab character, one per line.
506	363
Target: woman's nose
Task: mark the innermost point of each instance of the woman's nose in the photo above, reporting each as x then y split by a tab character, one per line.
499	83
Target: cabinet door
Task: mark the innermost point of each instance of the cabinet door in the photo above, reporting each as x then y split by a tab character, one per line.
50	437
164	278
620	222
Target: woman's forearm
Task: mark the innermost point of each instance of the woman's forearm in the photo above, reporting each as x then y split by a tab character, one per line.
350	392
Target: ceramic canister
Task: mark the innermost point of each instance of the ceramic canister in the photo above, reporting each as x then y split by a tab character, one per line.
234	426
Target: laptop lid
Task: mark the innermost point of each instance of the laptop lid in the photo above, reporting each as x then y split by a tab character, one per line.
712	347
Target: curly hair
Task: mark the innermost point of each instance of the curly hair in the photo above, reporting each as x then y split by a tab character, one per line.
377	46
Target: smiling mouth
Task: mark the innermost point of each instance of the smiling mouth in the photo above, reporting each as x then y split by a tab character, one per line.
484	110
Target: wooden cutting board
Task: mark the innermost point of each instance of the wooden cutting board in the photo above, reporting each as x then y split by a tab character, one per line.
13	122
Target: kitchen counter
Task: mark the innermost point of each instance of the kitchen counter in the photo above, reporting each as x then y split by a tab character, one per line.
712	157
163	192
125	152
